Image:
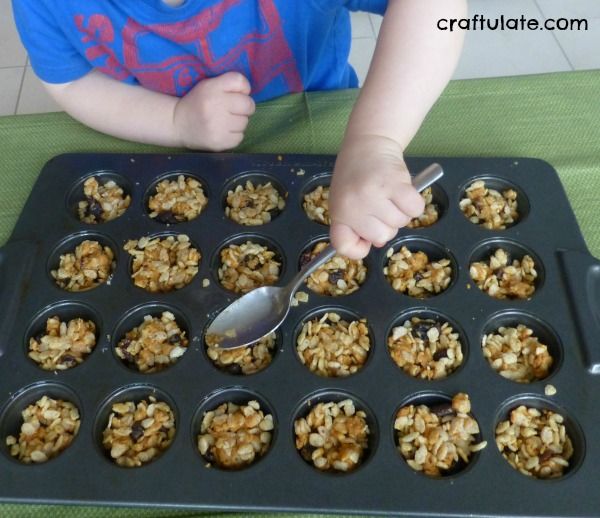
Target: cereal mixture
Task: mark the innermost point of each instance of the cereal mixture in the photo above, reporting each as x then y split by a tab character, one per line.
103	202
300	297
535	442
438	440
250	205
248	266
503	279
243	360
177	200
137	434
332	347
234	436
425	348
413	274
154	345
430	214
64	344
163	264
89	266
316	205
516	354
338	276
333	436
49	427
488	207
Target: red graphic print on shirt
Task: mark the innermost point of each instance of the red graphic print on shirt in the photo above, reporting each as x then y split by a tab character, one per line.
263	54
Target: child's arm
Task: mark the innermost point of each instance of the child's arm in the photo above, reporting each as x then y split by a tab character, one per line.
371	196
212	116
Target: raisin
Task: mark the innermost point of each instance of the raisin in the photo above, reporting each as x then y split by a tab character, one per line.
137	431
499	273
68	360
167	217
442	410
305	258
127	356
234	368
439	354
306	452
94	208
420	331
274	212
175	339
250	260
125	343
547	455
418	277
336	275
209	456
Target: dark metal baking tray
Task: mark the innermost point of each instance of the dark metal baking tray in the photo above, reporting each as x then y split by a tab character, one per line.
566	303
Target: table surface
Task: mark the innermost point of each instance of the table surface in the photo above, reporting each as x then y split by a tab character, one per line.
555	117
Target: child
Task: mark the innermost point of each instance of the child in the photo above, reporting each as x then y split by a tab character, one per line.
187	73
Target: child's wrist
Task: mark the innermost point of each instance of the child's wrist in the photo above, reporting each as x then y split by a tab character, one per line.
175	126
373	138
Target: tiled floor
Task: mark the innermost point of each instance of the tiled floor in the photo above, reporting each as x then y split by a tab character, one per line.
486	54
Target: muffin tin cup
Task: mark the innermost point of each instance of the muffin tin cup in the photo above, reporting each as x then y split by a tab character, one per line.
135	317
564	310
65	311
135	392
435	252
541	330
239	396
501	184
257	178
11	418
425	313
571	425
171	176
345	314
430	399
75	193
68	246
484	250
240	239
336	396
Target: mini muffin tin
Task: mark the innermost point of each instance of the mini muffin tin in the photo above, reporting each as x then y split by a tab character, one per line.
564	311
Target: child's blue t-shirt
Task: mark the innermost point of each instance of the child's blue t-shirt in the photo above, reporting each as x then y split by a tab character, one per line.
281	46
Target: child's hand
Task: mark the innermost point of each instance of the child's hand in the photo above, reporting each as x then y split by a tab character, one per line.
371	195
215	113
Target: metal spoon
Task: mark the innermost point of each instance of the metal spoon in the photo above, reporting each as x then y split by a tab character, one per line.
263	310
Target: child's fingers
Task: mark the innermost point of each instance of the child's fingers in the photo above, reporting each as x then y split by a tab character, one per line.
237	123
241	104
408	200
373	230
234	82
347	242
389	214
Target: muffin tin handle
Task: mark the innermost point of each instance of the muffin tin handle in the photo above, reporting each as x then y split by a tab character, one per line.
582	277
16	261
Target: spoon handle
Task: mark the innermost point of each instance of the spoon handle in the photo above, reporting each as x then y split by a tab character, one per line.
420	182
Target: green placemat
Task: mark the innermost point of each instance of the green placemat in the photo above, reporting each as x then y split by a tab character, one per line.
555	117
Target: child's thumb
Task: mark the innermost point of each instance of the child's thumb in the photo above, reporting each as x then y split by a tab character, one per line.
347	242
234	82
